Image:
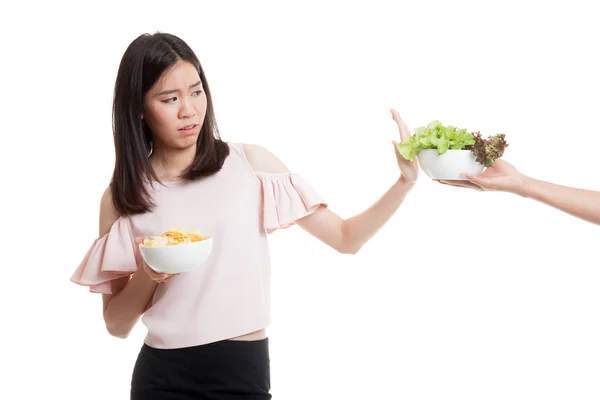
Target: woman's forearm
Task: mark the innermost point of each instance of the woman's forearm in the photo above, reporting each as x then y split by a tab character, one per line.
359	229
127	306
581	203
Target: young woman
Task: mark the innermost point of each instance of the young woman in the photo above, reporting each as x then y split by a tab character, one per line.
206	329
503	176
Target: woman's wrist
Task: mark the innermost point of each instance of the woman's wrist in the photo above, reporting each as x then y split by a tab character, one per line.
143	276
405	183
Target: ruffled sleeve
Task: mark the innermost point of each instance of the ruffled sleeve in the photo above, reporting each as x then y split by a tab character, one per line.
110	257
286	197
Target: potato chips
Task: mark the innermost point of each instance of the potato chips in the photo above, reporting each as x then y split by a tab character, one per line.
174	236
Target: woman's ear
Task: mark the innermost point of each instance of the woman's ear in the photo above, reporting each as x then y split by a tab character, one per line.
142	115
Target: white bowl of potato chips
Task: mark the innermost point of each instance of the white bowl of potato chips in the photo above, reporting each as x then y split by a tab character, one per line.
176	251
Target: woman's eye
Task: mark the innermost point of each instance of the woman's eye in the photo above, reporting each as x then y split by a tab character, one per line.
172	99
197	92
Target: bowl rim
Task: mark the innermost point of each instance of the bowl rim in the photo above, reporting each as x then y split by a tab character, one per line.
209	239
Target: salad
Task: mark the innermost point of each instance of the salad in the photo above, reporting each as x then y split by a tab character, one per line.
444	138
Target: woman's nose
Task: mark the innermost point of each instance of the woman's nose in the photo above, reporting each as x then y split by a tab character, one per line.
186	110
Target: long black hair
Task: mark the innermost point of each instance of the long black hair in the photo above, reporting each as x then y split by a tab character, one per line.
144	61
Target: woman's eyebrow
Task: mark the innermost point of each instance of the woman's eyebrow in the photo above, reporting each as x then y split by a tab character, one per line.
176	90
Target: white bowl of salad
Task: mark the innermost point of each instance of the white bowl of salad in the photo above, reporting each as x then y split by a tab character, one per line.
446	152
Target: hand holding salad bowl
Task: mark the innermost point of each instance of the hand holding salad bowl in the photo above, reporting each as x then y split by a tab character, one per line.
447	153
458	158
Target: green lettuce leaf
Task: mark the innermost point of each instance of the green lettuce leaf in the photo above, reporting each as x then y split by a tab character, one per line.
435	136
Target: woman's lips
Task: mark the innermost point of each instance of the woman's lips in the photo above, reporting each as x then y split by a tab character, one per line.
189	129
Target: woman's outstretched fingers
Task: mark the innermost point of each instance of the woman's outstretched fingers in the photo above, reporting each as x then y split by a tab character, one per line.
402	128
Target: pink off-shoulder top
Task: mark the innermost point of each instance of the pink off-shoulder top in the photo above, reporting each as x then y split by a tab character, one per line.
229	295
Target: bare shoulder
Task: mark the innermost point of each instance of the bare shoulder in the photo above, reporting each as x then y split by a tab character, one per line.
262	160
108	212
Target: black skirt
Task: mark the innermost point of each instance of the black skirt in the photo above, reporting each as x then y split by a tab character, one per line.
225	370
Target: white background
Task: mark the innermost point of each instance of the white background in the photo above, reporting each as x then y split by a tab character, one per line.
462	295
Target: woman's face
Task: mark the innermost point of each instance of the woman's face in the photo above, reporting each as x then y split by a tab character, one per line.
174	108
